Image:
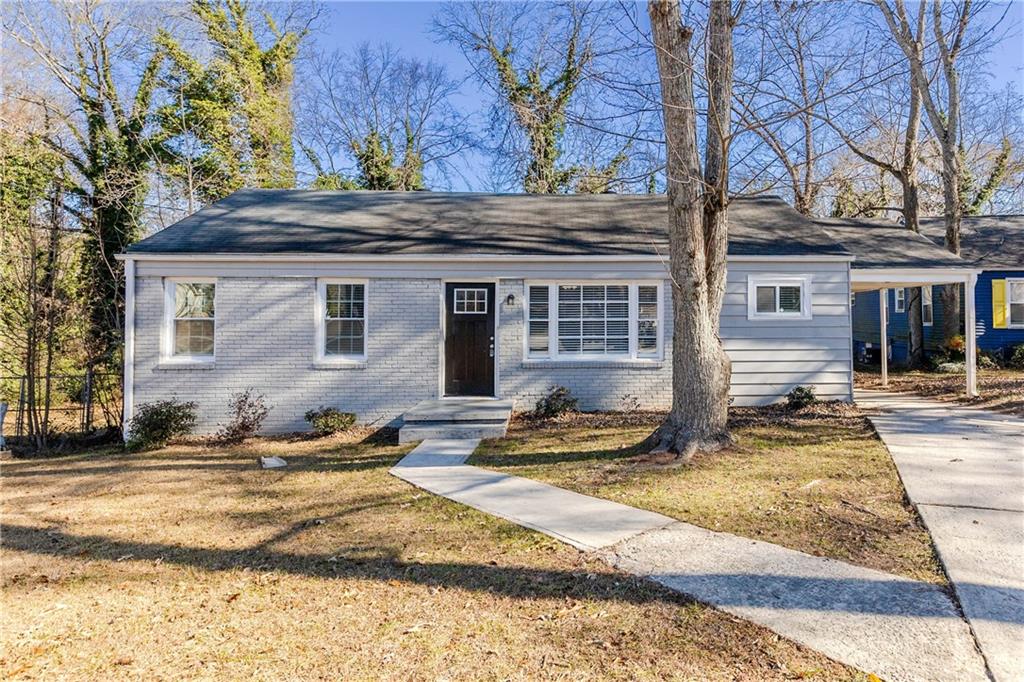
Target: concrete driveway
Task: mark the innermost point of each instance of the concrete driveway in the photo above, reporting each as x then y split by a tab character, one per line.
963	469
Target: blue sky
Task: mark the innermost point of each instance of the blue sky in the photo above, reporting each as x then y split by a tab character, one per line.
407	25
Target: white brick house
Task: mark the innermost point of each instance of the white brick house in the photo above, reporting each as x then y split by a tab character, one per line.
374	301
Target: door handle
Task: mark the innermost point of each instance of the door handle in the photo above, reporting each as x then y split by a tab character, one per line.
491	347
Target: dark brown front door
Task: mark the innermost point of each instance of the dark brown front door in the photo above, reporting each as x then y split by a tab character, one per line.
469	339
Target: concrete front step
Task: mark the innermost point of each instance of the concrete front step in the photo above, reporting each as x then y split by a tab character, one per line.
459	410
451	430
456	418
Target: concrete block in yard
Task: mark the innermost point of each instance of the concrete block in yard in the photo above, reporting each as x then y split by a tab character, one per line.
272	462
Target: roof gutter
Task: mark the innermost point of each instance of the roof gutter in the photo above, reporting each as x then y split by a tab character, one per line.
438	258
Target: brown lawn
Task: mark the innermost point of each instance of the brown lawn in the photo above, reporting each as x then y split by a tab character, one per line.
819	481
999	389
191	562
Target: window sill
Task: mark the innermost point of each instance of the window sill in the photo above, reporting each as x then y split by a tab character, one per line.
339	364
176	365
631	363
779	318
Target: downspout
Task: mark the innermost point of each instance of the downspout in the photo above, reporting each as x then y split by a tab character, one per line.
128	388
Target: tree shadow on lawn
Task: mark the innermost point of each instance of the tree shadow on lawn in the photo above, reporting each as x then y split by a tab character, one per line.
885	597
777	428
332	457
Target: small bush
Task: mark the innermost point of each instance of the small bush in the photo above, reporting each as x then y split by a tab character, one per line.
327	420
987	361
558	401
800	397
955	347
951	368
154	424
248	410
1016	355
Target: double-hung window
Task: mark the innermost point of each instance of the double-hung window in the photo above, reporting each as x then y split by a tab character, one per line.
927	312
594	320
341	321
189	319
901	299
779	298
1015	302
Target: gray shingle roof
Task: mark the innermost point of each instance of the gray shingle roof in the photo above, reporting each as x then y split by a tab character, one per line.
883	244
418	223
991	242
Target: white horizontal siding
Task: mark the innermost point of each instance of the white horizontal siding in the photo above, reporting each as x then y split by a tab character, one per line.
771	357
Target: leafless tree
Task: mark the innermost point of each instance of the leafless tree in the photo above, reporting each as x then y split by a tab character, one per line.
941	99
349	96
698	204
798	53
556	123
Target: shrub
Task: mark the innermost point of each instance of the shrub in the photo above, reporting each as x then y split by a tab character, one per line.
248	410
951	368
987	361
1016	355
801	396
559	400
327	420
955	347
154	424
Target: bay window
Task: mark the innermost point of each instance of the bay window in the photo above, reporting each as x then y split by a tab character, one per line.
593	321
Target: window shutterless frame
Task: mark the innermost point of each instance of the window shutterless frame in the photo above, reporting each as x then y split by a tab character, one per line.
1014	303
778	282
927	309
901	299
320	314
167	332
553	354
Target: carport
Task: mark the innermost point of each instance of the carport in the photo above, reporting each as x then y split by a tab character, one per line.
887	256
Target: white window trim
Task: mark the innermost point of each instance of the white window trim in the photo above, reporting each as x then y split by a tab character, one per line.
633	356
803	281
926	292
320	315
167	355
1009	288
455	296
901	299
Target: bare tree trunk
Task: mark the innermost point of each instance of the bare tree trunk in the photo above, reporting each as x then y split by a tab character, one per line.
915	323
698	215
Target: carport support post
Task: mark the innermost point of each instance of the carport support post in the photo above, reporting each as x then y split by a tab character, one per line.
883	325
970	337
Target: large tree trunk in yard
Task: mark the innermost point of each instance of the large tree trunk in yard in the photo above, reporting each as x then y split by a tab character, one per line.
698	218
915	324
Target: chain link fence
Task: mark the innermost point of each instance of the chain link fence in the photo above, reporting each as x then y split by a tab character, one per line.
79	403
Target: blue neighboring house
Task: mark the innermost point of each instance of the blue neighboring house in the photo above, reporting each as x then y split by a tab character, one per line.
993	243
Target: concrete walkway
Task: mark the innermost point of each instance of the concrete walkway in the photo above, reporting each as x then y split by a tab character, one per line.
896	628
963	469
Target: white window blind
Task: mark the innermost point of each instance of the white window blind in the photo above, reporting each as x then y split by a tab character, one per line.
345	320
781	298
647	320
579	321
538	340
